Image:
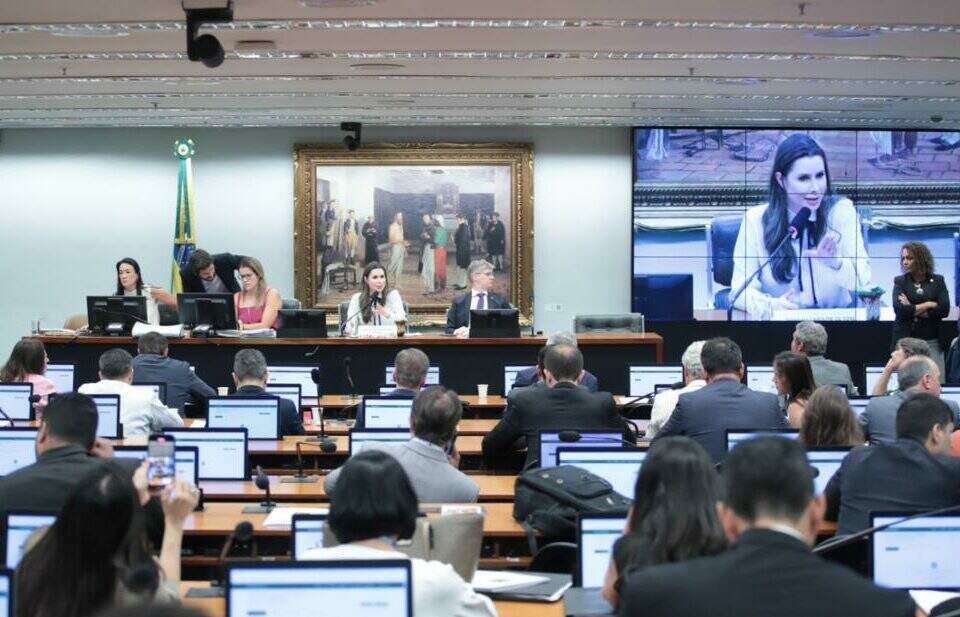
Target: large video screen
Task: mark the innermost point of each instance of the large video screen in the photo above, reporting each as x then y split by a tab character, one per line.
787	224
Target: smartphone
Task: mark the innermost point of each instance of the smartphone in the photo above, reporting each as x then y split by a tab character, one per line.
161	462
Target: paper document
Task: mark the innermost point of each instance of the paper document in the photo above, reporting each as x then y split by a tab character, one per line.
174	331
502	580
283	517
259	333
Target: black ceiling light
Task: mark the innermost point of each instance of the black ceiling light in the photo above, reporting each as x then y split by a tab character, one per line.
352	142
206	48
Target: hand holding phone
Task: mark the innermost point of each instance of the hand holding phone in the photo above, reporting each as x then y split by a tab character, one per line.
161	462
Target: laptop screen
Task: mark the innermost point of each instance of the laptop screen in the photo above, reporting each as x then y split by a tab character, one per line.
15	400
289	391
618	467
108	415
644	378
158	390
17	528
17	448
760	378
299	374
917	554
6	606
307	533
61	375
222	452
185	459
376	588
260	415
950	393
596	535
735	436
360	439
550	441
433	375
826	461
858	403
510	375
872	374
387	412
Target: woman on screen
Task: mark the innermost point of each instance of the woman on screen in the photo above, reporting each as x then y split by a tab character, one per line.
920	299
257	305
825	263
794	381
375	304
130	283
28	364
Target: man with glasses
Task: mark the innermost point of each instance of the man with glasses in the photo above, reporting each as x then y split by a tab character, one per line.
480	273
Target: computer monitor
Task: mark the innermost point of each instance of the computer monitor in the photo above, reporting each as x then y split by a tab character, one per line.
550	441
433	375
358	588
361	438
204	312
15	401
296	373
17	527
510	372
156	388
858	403
307	533
289	391
115	315
662	387
386	412
760	378
950	392
596	534
645	377
6	593
260	415
18	448
62	375
108	416
619	467
495	323
872	373
302	323
222	452
826	460
185	459
736	435
916	554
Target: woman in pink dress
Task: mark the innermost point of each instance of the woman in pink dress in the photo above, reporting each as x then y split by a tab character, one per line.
257	305
27	364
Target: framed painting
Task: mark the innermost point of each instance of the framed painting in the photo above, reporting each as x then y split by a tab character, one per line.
422	210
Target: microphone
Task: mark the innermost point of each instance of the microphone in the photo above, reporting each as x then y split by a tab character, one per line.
575	436
793	230
347	362
375	299
344	323
240	537
262	482
837	542
327	446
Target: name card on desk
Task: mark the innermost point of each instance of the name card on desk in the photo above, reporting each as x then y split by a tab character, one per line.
387	331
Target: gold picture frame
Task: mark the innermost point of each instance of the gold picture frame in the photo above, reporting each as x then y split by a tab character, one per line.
336	190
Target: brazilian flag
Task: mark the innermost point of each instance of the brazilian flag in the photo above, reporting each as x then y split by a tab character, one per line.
184	238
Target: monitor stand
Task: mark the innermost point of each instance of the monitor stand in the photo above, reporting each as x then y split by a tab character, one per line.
115	328
202	330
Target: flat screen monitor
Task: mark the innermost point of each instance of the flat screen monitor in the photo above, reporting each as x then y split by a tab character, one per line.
645	377
618	467
662	387
550	441
185	459
17	448
302	323
115	314
391	413
495	323
872	374
858	403
916	554
157	389
510	373
15	401
735	436
307	533
298	374
260	415
6	593
62	375
596	534
433	375
663	297
289	391
358	588
950	392
108	416
222	452
360	439
203	310
17	527
826	461
760	378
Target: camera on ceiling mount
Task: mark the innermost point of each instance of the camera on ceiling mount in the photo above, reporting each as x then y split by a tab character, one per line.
205	48
352	142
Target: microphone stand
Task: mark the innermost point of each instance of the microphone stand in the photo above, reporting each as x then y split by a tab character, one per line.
263	483
347	362
301	477
350	318
6	417
837	542
786	238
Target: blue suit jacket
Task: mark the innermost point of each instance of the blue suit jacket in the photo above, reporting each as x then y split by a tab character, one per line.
528	377
459	312
182	383
290	422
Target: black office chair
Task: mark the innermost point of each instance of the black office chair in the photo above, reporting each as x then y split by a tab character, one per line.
722	234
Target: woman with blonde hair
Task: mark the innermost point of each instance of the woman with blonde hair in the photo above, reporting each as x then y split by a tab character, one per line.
829	421
257	305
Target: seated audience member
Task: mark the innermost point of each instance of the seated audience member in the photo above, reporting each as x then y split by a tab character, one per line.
373	506
915	375
905	348
480	273
410	368
666	401
206	273
28	364
152	364
141	412
561	405
771	516
915	472
130	283
794	382
250	376
97	553
829	421
810	339
257	304
430	459
724	403
532	376
674	516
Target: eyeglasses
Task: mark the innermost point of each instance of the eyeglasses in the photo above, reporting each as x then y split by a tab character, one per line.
246	277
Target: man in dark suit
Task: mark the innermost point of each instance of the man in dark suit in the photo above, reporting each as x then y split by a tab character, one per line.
915	472
724	403
559	406
152	364
410	368
206	273
481	277
810	339
250	375
771	516
533	376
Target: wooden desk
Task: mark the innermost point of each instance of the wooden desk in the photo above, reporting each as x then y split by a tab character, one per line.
339	401
467	427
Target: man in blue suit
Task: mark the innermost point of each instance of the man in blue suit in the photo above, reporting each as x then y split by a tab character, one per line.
533	376
724	403
250	375
410	368
480	273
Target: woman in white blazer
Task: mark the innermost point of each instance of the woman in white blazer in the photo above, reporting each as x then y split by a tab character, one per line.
375	304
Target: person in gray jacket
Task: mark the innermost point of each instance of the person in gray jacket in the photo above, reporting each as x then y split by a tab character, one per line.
152	364
430	459
810	339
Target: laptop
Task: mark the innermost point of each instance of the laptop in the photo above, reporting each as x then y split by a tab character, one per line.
361	438
260	415
292	392
618	467
62	375
550	441
15	400
108	416
510	372
357	588
858	403
826	460
596	534
159	389
386	412
306	533
433	375
736	435
916	554
6	593
185	459
222	453
950	392
18	448
645	377
17	527
297	373
872	374
760	378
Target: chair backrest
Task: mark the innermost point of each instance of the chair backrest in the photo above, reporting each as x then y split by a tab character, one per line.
555	558
722	234
618	322
290	303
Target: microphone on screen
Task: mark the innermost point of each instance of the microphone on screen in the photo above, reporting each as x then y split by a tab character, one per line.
799	221
375	299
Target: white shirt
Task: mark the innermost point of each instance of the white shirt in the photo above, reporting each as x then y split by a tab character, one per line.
475	299
141	413
153	313
438	591
665	402
392	303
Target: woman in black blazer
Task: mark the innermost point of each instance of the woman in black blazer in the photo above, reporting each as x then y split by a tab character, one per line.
920	299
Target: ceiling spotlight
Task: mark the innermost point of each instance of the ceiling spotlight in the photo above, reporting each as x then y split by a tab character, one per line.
206	48
352	142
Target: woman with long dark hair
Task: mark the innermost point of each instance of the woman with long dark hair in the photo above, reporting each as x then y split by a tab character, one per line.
920	300
375	303
794	381
674	514
824	264
130	283
28	364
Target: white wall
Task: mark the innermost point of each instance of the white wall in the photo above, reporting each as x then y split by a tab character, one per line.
72	202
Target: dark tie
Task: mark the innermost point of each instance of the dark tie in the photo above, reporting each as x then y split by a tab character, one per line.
481	305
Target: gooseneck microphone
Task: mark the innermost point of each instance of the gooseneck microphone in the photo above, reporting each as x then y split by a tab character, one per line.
837	542
327	446
262	481
347	363
575	436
